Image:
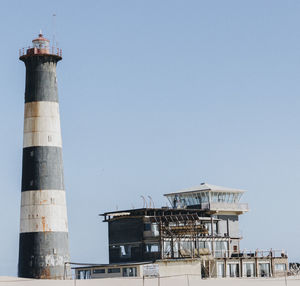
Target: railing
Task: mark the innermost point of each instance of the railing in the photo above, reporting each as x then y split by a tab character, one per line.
35	51
251	254
185	252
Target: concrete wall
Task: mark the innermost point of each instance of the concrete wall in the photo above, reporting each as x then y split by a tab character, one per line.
169	268
167	281
278	273
234	230
222	227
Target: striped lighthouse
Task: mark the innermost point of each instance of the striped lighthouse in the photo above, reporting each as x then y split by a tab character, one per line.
43	245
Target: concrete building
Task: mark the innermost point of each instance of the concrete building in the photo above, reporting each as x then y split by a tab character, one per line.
198	234
44	245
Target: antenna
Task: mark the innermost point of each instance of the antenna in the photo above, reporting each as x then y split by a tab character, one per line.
151	202
54	43
144	202
150	205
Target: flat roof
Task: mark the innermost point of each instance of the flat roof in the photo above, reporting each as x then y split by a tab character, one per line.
131	212
206	187
136	263
110	265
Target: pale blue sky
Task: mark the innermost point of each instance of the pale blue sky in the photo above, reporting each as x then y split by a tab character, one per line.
156	96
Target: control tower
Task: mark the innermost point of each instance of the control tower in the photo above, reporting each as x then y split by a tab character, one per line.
44	244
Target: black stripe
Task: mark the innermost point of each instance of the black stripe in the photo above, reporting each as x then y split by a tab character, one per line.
36	249
42	168
41	82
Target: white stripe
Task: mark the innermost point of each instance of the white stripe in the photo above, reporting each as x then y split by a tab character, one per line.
41	139
43	210
41	108
42	124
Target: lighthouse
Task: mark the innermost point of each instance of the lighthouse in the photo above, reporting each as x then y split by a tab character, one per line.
44	243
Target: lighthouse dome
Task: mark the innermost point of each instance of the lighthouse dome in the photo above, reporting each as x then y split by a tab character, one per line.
41	42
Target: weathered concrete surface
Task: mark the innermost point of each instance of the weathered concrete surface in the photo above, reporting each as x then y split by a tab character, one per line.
41	83
42	168
43	254
43	210
167	281
42	124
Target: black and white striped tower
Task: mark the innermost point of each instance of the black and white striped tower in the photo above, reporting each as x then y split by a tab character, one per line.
44	245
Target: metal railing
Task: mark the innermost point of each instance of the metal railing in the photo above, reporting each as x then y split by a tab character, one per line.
30	50
251	254
184	252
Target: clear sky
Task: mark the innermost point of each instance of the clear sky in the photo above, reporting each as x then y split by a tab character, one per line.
157	96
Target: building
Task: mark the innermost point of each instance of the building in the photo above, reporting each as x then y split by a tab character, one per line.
43	244
201	226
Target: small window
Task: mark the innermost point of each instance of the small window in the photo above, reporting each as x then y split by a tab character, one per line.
84	274
31	153
155	229
49	138
249	269
233	270
147	226
152	247
114	270
280	267
220	269
264	269
129	272
98	270
125	251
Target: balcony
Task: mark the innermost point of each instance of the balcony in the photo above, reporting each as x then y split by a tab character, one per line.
43	51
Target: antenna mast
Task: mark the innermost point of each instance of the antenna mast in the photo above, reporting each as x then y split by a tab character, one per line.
54	43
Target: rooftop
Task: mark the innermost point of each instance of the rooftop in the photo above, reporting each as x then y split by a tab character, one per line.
207	187
164	211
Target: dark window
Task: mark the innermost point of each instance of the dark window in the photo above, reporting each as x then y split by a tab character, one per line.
147	226
114	270
96	271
